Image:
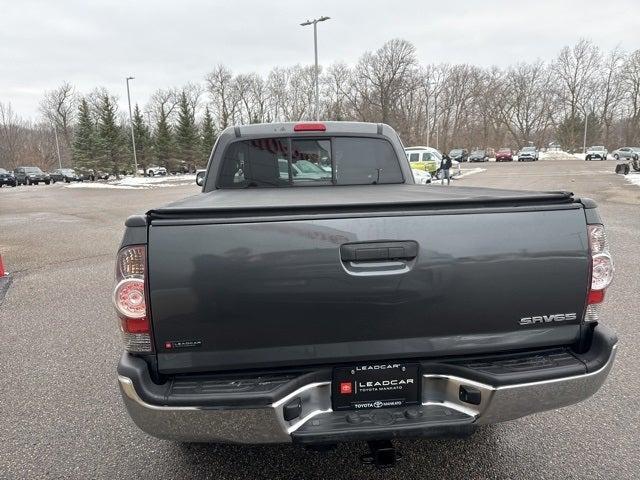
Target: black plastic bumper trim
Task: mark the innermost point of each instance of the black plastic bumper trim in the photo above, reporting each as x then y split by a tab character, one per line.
569	364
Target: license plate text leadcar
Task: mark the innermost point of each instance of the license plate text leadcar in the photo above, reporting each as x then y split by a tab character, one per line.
376	385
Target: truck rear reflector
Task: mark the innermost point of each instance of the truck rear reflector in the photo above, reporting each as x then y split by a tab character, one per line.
309	127
129	298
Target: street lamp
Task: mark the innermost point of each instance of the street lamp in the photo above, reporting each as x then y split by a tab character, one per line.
584	138
435	110
133	137
314	22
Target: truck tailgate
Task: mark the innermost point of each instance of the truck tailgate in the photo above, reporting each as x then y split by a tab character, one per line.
249	294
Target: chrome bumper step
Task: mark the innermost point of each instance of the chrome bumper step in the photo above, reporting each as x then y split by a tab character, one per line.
443	406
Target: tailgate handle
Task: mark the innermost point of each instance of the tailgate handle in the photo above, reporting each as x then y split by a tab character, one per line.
376	251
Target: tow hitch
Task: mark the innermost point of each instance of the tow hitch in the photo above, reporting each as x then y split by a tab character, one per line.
382	454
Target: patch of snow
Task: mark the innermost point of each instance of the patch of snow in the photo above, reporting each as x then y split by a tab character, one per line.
559	155
133	183
156	181
470	171
97	185
633	177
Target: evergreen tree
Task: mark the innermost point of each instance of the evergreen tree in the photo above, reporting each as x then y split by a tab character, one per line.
110	141
207	138
186	134
163	141
571	132
84	143
143	138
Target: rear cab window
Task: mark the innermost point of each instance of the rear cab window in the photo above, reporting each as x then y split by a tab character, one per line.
303	161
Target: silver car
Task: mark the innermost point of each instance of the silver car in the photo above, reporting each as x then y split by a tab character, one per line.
627	152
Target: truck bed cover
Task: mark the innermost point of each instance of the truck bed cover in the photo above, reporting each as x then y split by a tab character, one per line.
236	201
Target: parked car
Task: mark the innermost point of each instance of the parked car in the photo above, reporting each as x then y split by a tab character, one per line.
421	177
479	156
626	152
31	176
7	178
265	310
66	175
459	154
597	152
528	154
424	158
302	169
154	170
504	155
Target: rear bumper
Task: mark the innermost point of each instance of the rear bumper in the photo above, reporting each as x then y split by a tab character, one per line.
259	417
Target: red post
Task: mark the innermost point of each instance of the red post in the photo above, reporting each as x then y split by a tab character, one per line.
2	272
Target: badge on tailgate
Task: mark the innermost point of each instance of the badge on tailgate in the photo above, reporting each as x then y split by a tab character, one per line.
376	386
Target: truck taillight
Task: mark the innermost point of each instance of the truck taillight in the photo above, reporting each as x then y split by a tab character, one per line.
601	270
129	298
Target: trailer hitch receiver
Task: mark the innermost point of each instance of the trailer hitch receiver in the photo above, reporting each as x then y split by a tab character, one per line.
382	454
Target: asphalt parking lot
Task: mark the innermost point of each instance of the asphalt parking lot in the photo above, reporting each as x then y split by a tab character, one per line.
62	416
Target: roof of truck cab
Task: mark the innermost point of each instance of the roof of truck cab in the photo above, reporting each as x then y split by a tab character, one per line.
287	128
321	197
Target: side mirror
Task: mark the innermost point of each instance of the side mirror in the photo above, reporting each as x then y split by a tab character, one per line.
200	178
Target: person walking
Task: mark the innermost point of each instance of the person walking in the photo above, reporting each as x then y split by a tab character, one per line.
445	168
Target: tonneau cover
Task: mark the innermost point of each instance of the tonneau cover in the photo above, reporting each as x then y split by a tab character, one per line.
294	198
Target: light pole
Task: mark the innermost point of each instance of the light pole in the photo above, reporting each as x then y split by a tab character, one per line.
584	138
314	22
133	137
429	84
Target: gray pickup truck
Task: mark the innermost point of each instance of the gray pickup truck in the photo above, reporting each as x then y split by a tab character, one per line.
312	293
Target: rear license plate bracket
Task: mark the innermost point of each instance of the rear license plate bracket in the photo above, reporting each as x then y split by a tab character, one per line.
375	385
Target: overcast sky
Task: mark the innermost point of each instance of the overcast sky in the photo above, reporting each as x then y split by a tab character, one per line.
168	43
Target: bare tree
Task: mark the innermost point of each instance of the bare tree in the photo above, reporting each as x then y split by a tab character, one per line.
23	143
525	102
59	106
462	105
574	70
334	98
460	90
193	93
224	95
291	93
610	91
253	95
163	103
632	88
385	74
11	137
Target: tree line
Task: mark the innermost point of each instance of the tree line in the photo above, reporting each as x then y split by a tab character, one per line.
445	105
